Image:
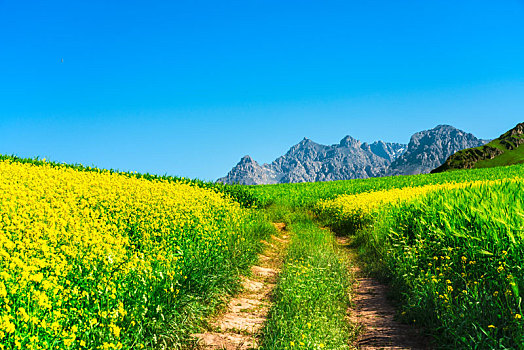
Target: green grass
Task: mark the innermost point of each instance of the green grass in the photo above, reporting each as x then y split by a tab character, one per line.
514	156
311	298
209	284
306	195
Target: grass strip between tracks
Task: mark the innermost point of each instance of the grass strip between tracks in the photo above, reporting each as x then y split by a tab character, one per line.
311	297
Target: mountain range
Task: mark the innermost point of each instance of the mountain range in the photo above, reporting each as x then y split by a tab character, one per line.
309	161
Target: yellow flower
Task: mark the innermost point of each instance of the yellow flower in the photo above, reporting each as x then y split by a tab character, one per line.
115	330
37	278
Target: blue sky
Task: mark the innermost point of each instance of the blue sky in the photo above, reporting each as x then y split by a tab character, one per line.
189	87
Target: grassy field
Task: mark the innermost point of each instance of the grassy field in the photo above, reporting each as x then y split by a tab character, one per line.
450	244
308	194
453	254
456	258
101	259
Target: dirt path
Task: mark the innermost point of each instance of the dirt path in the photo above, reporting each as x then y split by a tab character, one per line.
239	326
374	313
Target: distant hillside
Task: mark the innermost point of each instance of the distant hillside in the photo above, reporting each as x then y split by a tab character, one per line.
505	150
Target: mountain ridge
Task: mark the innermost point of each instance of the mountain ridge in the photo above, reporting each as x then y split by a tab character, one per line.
308	161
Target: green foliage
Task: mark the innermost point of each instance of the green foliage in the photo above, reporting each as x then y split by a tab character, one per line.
209	281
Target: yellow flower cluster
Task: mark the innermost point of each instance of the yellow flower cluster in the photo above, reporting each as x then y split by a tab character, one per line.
85	256
358	206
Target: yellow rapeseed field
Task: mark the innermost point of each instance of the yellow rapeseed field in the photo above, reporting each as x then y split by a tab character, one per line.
86	258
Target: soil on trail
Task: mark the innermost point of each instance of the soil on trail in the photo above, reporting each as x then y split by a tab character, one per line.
239	326
374	314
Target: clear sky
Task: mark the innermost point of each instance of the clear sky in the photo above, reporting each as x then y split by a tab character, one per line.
189	87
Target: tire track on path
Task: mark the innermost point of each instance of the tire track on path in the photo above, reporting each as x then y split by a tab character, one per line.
239	326
375	316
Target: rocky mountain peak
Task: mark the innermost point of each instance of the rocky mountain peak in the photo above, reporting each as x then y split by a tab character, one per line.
349	141
444	127
428	149
246	160
306	143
